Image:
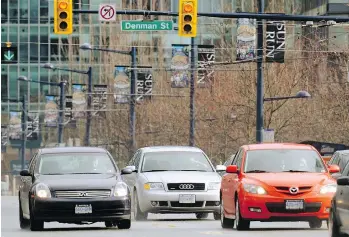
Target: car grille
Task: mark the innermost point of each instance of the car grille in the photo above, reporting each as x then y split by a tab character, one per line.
83	194
279	207
185	186
177	204
286	190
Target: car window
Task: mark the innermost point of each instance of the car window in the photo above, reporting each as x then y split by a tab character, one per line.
229	161
239	159
70	163
176	160
283	160
236	157
343	160
132	161
346	170
137	160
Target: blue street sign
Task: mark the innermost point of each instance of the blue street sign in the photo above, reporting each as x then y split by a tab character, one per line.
16	166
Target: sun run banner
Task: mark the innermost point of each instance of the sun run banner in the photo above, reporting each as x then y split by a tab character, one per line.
15	126
180	66
51	111
144	85
206	58
4	135
79	103
275	41
68	112
99	99
33	126
246	39
122	85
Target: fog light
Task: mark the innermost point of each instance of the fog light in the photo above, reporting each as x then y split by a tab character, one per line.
154	204
217	203
254	209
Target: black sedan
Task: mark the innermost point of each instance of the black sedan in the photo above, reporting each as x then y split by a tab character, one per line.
77	185
339	217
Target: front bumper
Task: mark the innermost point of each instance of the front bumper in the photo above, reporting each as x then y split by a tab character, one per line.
63	210
168	201
261	208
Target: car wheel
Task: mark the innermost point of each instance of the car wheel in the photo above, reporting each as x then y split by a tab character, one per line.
225	222
217	216
333	226
139	215
315	224
201	216
35	225
23	223
241	223
124	224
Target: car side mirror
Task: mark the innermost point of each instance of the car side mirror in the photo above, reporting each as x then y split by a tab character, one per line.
232	169
126	171
333	169
24	173
220	168
343	181
131	167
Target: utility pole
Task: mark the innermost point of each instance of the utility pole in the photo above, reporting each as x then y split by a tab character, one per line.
133	98
24	131
61	112
192	94
89	106
260	80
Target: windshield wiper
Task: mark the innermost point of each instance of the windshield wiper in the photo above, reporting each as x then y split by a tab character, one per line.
256	171
154	170
295	171
86	173
191	170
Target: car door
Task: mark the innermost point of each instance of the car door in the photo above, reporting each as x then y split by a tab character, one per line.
236	178
26	184
343	200
130	179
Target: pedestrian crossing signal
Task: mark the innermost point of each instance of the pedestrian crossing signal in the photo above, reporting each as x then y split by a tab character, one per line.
63	17
187	22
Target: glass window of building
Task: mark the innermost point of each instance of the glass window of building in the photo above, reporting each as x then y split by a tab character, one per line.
23	45
44	46
23	11
44	11
34	87
4	11
13	76
34	44
34	12
13	11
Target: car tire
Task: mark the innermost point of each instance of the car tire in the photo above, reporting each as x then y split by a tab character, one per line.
333	226
23	223
201	216
315	224
225	222
241	223
138	214
217	216
35	225
124	224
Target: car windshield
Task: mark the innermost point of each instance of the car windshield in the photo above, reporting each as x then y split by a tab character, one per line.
283	160
75	163
176	161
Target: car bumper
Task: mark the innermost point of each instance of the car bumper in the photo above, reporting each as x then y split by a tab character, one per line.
260	208
63	210
168	202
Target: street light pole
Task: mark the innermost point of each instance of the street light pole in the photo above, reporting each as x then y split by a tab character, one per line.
192	94
24	131
89	105
61	112
260	80
133	99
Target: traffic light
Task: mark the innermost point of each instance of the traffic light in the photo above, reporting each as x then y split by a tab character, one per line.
63	17
188	15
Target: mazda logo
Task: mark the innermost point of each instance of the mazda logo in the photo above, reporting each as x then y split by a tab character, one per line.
293	190
186	186
82	194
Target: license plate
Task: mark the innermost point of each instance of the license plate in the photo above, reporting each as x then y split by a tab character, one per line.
294	204
83	209
186	198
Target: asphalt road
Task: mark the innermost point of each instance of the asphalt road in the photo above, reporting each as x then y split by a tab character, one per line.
157	226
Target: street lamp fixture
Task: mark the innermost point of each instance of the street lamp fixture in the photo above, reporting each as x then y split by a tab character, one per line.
299	95
86	46
22	78
48	66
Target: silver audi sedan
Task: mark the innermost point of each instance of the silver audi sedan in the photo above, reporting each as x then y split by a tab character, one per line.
173	179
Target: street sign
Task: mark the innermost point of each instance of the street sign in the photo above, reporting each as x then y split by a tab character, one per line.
107	12
146	25
16	166
8	55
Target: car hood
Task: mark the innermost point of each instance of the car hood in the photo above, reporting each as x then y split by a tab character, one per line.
291	179
79	181
182	177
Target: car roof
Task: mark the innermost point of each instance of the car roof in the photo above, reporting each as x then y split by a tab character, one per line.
275	146
53	150
343	152
170	148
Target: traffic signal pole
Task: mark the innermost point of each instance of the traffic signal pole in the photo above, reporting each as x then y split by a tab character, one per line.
24	131
192	95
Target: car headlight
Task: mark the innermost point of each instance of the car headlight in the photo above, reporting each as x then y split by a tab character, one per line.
120	190
154	186
214	186
251	188
42	191
329	188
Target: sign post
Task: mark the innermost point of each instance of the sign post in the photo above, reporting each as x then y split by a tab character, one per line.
134	25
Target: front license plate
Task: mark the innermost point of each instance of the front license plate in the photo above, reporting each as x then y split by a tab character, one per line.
186	198
83	209
294	204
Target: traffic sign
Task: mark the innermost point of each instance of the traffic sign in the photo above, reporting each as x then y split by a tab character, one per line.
107	12
146	25
8	55
16	166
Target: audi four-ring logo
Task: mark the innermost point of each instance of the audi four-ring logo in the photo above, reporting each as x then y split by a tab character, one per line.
293	190
186	186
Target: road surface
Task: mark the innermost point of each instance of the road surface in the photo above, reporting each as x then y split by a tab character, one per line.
157	226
